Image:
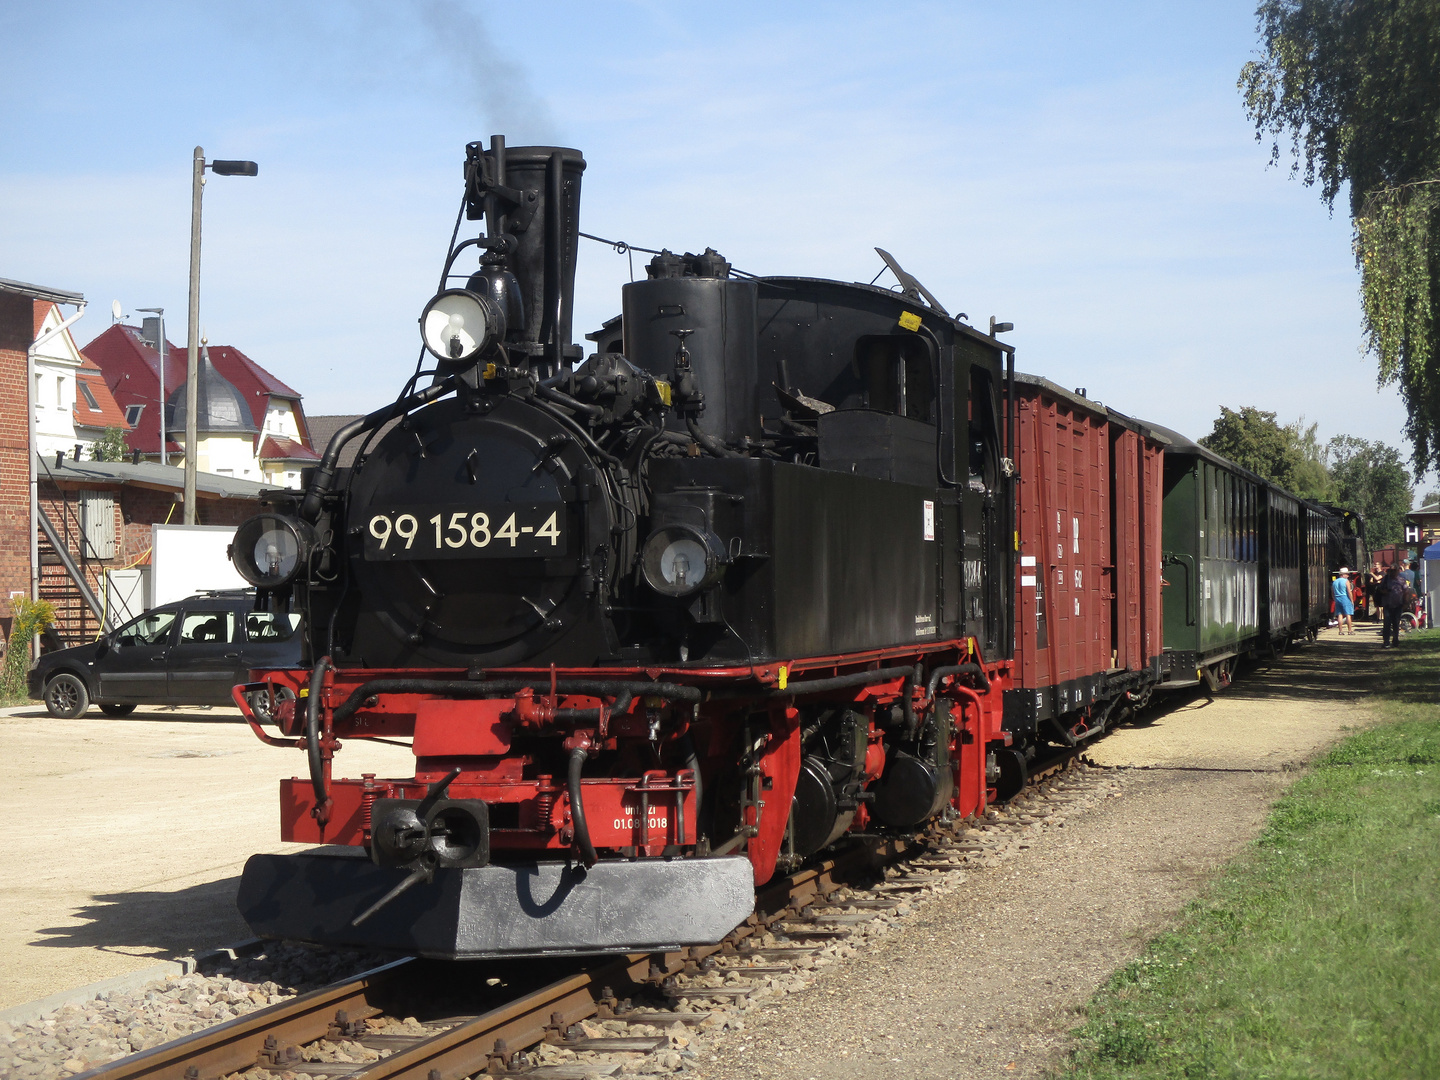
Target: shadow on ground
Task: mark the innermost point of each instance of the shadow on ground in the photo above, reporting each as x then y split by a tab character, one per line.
165	924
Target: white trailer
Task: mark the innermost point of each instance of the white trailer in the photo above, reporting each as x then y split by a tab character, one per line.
187	559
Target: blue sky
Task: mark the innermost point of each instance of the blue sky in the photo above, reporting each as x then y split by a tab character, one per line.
1085	171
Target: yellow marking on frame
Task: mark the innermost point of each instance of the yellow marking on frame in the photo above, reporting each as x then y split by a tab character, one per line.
784	676
910	321
663	388
489	371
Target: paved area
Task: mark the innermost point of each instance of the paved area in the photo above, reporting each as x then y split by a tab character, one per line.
121	841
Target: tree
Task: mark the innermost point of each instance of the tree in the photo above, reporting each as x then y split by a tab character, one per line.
1312	477
1253	440
110	446
1370	478
1355	86
1430	498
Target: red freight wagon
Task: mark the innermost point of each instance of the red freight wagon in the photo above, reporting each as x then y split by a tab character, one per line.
1088	577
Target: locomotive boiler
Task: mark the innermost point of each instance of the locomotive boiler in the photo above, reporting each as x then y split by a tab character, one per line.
658	623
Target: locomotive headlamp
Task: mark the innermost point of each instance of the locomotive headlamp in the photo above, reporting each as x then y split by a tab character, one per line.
270	550
680	559
459	325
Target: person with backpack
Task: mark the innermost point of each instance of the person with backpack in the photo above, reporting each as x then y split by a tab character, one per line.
1391	596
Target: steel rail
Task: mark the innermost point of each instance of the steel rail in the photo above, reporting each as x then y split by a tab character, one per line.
238	1044
271	1037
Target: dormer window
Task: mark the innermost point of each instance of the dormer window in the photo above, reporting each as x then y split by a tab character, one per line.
132	414
90	401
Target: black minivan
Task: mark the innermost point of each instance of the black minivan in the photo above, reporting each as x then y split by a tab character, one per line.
188	653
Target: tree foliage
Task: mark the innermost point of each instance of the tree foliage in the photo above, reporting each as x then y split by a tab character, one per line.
110	446
1369	477
1290	455
1354	85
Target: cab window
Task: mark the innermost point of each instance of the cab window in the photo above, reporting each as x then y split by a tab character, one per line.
207	627
152	629
267	626
895	376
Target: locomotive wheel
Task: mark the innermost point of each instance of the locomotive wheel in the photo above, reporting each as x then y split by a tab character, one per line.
1014	774
116	708
66	696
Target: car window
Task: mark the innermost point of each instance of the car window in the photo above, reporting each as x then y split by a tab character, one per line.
267	626
150	629
207	627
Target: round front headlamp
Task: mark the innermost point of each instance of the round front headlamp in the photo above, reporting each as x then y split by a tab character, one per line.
679	559
459	325
270	550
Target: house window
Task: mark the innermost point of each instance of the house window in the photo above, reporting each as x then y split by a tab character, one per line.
89	397
132	414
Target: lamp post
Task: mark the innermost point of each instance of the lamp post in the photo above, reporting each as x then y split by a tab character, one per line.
159	313
192	337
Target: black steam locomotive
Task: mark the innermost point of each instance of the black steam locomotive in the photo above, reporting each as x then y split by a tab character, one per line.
658	623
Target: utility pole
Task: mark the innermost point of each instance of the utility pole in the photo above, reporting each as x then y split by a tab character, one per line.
192	336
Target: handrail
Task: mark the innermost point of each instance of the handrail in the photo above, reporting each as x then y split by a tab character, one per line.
76	575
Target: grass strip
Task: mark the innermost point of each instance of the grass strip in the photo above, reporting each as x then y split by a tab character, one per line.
1317	952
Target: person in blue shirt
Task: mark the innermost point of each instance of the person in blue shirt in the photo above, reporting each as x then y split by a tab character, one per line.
1344	606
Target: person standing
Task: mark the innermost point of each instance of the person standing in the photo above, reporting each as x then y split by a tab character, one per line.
1391	595
1344	606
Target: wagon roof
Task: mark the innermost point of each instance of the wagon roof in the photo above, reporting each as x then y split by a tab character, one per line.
1099	409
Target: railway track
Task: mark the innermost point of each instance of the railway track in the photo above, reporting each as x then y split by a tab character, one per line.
490	1025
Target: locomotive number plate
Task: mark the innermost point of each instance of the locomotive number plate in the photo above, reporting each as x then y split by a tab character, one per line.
503	531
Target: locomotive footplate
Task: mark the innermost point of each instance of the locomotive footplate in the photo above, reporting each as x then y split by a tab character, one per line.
521	910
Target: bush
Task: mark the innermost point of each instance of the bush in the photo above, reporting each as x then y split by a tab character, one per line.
31	616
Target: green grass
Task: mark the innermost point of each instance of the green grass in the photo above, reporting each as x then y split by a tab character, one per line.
1317	953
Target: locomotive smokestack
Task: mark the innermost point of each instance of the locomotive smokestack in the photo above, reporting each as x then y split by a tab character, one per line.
530	199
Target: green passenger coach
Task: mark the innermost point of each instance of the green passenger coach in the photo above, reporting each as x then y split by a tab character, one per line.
1240	566
1211	541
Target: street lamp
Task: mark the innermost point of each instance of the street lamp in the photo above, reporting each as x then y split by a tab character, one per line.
159	313
192	395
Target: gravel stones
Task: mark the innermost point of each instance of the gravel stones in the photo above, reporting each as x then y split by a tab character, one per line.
81	1036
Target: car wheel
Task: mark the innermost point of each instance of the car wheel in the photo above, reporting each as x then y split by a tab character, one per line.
66	696
116	708
260	703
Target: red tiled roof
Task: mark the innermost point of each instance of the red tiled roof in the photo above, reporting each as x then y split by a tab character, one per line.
110	414
131	370
279	448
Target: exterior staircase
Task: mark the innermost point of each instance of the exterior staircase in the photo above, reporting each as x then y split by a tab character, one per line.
64	582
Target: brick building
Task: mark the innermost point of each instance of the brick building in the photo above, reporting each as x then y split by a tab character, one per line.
18	301
100	512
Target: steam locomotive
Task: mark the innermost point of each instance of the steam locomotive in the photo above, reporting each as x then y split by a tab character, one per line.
664	622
